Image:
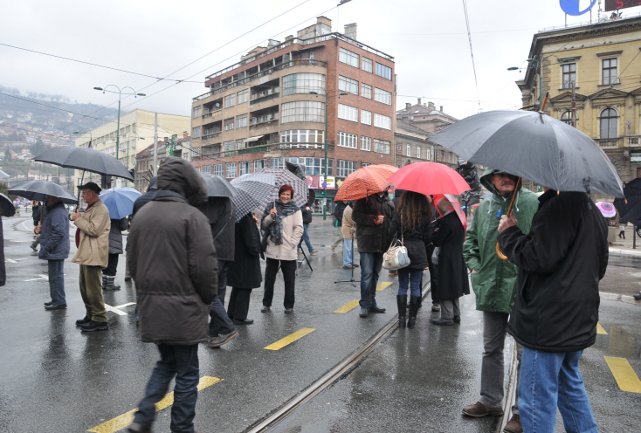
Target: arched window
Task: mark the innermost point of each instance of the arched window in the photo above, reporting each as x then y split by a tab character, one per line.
608	123
567	117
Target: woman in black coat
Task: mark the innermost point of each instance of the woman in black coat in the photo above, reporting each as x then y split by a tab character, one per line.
453	283
411	223
244	272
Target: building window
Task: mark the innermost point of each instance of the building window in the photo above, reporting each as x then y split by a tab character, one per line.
418	152
195	132
196	111
344	168
348	113
242	121
218	170
609	71
568	70
428	153
366	117
245	167
366	64
383	71
229	146
381	146
347	85
366	143
242	96
408	150
366	91
228	124
304	83
567	117
205	169
303	111
381	95
230	100
347	140
278	163
231	170
608	124
259	164
348	57
381	121
302	136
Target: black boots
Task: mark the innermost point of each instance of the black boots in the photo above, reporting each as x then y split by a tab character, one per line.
414	302
401	303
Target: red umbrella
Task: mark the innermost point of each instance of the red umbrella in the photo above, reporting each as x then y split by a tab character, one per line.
455	204
429	178
365	181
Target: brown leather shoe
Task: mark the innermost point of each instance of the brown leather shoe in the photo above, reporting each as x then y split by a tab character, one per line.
513	425
479	410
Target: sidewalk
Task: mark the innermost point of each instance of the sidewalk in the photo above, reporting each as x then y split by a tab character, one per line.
625	246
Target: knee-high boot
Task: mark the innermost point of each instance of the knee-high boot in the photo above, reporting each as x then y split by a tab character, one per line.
401	303
413	311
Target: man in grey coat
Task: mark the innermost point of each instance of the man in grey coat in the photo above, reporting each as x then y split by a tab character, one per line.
173	263
54	247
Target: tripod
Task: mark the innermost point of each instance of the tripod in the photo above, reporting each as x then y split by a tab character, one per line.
351	279
300	248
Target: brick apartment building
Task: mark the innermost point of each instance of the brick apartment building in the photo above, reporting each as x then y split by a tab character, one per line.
314	96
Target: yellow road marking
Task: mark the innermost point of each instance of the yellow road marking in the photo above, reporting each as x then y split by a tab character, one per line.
623	373
120	422
382	286
347	307
290	339
600	329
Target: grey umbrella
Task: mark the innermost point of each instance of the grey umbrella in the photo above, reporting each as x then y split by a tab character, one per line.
85	158
6	207
218	186
251	195
534	146
279	177
38	189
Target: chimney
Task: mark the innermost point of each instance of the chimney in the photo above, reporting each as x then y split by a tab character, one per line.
407	105
350	30
419	101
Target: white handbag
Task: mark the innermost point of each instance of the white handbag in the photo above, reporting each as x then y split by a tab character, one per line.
396	256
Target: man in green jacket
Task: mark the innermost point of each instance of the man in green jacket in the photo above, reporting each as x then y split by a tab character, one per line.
494	284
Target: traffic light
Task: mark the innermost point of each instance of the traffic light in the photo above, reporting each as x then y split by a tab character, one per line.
172	145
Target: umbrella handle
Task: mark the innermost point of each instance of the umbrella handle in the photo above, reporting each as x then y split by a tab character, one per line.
502	257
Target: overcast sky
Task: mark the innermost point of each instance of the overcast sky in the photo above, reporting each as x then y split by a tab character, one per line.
191	39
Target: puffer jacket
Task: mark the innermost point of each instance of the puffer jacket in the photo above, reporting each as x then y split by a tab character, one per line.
93	234
54	234
372	237
494	281
172	259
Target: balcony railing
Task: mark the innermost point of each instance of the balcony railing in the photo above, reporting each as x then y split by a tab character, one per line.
265	148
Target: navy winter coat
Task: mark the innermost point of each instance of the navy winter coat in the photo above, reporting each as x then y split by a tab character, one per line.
54	233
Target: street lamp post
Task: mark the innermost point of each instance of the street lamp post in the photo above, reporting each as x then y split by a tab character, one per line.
119	91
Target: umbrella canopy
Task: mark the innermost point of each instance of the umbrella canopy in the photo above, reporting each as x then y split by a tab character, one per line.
119	201
279	177
630	207
365	181
6	207
429	178
251	195
607	209
458	209
85	158
218	186
534	146
4	175
39	189
297	169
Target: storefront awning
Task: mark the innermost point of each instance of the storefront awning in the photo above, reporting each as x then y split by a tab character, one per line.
254	138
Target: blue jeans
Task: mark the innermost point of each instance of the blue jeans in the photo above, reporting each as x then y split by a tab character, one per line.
181	362
220	323
57	281
348	253
412	278
310	248
370	268
548	380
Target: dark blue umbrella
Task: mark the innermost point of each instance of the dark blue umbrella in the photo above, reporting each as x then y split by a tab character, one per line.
119	201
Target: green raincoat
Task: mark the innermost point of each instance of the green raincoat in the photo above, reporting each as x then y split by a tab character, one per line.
494	281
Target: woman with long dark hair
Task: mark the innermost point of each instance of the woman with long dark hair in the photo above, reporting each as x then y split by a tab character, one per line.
411	224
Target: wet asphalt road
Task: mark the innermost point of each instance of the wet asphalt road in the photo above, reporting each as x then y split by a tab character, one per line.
56	379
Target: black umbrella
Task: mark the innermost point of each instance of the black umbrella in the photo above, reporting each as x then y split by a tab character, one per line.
85	158
39	189
218	186
6	207
630	208
534	146
297	169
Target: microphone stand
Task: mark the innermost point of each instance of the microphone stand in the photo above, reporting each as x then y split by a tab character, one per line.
351	279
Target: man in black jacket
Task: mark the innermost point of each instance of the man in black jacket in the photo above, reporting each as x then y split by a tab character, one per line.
557	306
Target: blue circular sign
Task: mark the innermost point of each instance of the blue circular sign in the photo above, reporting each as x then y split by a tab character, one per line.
572	7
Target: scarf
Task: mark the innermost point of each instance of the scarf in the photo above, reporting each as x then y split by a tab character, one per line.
282	211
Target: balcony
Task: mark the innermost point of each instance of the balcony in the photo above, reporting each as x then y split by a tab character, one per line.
264	95
609	143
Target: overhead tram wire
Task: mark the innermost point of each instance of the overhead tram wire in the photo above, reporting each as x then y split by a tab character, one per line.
469	37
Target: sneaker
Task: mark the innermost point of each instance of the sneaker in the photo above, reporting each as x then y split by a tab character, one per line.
265	309
348	267
242	321
514	425
479	410
443	322
364	312
313	253
48	303
219	340
52	307
93	326
289	310
436	307
83	321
